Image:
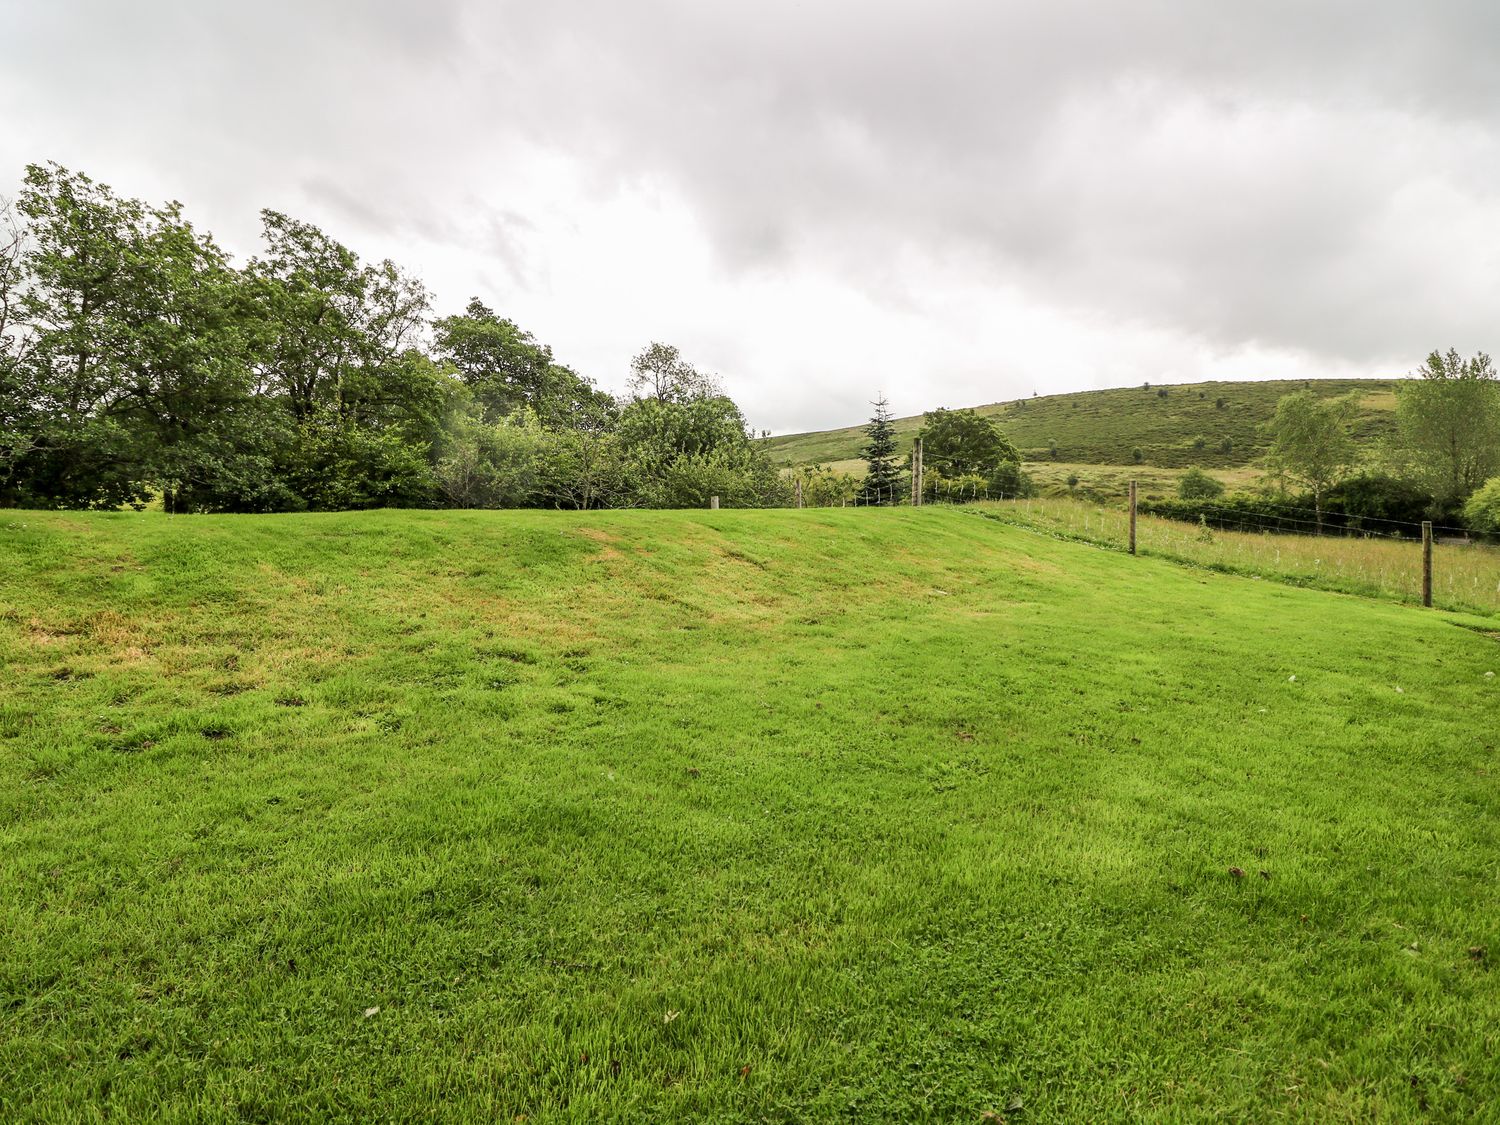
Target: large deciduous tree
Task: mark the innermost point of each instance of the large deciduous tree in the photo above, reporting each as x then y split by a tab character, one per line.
141	341
18	419
342	358
659	372
1448	425
1311	444
959	443
507	370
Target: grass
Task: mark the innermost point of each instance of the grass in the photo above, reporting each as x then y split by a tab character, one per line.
1466	576
858	815
1184	428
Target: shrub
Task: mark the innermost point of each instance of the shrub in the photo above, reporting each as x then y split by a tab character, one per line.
1220	404
1200	443
1379	498
1137	455
1161	392
1072	481
1010	481
1195	484
1483	508
1343	511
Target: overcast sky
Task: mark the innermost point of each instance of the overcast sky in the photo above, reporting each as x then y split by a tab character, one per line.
949	201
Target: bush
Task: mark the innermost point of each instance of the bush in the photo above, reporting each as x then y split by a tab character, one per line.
1010	482
1195	484
740	478
1137	455
1345	508
490	465
1482	512
822	487
1379	498
1200	444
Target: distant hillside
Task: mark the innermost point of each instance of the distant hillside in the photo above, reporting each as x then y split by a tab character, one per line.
1215	425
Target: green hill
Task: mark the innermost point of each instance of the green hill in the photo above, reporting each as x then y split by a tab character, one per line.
864	814
1173	426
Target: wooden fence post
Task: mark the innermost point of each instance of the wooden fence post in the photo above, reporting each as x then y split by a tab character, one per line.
713	502
1132	517
916	472
1427	563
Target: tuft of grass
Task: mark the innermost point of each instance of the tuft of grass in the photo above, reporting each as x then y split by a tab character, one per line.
875	814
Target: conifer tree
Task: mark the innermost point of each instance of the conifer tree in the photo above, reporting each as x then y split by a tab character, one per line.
883	476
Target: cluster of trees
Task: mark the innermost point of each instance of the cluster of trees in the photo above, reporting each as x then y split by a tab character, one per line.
1440	463
964	454
137	360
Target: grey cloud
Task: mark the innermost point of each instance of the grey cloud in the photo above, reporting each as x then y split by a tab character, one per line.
1317	178
1235	176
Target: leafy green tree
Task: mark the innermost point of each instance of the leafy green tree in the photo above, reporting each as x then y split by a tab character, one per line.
665	429
139	369
584	467
1010	482
1311	443
491	464
507	370
1482	511
18	420
659	372
1448	425
1195	484
63	381
341	358
883	476
961	442
741	476
680	450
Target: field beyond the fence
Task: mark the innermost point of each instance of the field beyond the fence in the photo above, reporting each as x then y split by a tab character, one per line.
832	814
1466	575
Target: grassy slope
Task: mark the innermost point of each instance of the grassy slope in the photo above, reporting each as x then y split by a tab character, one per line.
1105	427
910	813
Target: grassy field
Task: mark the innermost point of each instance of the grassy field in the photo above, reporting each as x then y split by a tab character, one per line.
1105	483
1187	427
864	815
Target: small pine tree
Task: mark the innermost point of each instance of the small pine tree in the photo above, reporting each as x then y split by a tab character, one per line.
883	476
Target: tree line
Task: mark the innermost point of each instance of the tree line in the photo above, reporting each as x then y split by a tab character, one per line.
138	361
1441	461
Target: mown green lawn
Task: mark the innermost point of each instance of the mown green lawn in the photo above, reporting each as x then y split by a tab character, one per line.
853	815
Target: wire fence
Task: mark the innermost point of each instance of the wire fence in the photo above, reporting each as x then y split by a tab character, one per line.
1373	563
